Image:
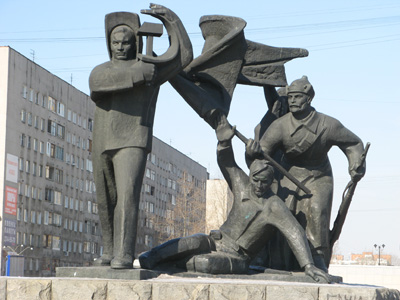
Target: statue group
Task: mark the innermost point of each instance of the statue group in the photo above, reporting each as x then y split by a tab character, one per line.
281	212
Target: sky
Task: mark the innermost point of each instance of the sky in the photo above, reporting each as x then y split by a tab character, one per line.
353	64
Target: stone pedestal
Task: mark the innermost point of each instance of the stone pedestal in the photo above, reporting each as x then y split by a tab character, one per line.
167	287
106	273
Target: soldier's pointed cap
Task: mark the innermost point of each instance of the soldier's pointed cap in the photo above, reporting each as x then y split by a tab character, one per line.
301	85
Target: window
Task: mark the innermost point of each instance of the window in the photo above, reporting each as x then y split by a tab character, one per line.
34	168
39	217
24	92
36	122
28	143
60	109
74	118
51	104
60	131
22	140
42	124
40	171
56	243
71	203
57	219
49	172
66	201
37	96
33	217
23	116
31	95
89	166
27	166
57	198
58	176
30	119
35	144
173	199
41	147
69	114
90	124
49	195
21	164
25	215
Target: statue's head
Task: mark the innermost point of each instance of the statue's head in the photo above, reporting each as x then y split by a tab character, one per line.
300	94
123	26
261	176
122	43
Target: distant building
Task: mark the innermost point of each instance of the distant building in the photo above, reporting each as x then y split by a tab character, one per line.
47	193
365	258
368	258
219	203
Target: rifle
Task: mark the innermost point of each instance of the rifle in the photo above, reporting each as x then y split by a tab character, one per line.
344	206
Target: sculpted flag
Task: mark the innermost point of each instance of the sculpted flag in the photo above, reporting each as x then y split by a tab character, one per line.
227	58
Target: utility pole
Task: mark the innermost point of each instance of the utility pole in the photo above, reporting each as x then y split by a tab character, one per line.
33	54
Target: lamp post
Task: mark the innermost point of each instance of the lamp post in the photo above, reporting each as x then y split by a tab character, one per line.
15	250
379	252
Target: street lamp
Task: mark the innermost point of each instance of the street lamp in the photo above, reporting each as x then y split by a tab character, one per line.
379	252
15	250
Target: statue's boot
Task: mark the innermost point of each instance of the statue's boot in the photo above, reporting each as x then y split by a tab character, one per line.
319	261
177	249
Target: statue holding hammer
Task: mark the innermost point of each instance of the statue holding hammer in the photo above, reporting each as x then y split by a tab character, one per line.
125	91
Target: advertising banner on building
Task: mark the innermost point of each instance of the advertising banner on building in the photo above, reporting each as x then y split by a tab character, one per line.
10	206
12	168
9	232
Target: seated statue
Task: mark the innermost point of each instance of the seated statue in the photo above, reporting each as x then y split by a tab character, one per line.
256	215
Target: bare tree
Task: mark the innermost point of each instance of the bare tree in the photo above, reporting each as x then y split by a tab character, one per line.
219	203
186	213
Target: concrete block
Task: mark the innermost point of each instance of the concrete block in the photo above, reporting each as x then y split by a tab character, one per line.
237	292
180	291
3	288
82	289
28	289
292	292
132	290
353	292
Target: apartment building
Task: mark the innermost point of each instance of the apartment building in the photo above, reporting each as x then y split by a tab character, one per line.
47	189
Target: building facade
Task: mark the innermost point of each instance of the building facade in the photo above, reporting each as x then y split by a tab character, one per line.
47	193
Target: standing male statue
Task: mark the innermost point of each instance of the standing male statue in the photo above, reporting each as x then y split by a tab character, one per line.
305	137
125	91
